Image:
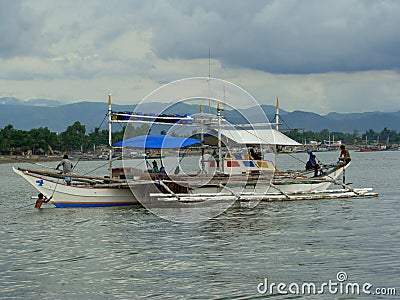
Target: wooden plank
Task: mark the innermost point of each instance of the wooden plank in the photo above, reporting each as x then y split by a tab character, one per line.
62	175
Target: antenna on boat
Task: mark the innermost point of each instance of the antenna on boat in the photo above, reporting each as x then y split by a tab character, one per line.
277	114
202	125
109	134
109	119
219	139
209	63
202	138
223	103
209	78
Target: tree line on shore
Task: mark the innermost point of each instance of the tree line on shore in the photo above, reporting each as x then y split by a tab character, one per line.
41	140
353	138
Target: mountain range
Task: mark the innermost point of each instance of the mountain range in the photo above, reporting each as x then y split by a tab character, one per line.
57	116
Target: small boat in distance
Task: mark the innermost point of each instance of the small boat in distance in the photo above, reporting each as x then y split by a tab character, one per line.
378	146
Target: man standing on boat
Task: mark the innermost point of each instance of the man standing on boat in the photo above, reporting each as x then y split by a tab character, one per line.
344	155
67	168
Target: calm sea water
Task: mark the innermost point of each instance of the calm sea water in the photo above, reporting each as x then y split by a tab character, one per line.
129	253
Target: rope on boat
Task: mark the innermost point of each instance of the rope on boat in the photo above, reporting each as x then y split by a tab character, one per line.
51	197
292	156
105	116
32	162
115	158
76	163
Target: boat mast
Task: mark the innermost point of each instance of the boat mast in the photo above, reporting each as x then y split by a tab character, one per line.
277	114
109	134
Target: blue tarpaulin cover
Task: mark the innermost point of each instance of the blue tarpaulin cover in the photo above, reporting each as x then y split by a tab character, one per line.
157	141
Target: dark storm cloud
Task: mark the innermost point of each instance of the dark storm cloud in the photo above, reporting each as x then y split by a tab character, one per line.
281	36
20	30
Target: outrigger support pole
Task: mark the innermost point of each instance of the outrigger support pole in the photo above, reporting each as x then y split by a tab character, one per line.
344	176
280	191
345	186
230	191
168	189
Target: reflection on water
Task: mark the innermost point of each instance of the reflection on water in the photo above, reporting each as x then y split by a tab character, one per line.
129	253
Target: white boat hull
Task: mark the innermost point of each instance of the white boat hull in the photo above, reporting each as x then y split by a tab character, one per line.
75	196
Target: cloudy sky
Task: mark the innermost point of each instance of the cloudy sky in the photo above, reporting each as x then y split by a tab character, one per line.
315	55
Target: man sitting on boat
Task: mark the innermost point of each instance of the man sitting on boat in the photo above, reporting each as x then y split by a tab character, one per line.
254	155
67	168
162	171
344	155
312	164
155	167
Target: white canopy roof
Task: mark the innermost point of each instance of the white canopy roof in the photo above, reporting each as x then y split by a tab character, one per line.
259	136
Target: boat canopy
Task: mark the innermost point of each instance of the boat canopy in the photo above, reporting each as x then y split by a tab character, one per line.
157	141
259	136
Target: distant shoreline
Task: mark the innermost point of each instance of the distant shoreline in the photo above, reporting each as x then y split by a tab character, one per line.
6	159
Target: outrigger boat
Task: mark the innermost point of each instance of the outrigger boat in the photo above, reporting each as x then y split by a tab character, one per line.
227	170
